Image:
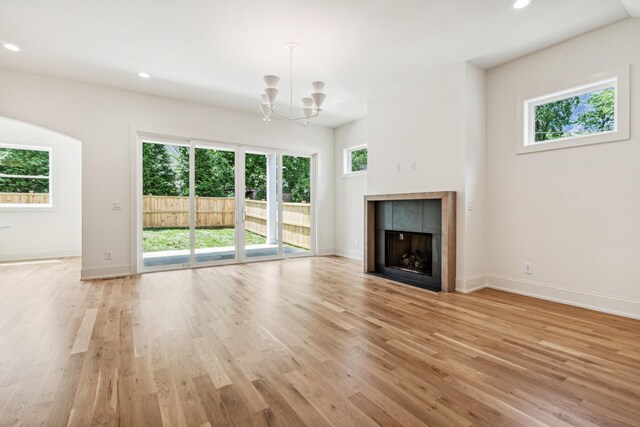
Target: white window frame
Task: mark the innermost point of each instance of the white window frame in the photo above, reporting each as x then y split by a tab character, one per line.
346	162
618	79
50	177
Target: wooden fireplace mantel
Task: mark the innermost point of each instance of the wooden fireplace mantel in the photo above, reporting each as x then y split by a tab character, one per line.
448	198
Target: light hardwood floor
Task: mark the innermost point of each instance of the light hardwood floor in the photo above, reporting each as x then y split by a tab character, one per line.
309	341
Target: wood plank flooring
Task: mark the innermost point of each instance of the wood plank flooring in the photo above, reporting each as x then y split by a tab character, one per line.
308	341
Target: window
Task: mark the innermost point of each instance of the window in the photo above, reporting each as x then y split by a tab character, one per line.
579	112
355	160
25	176
594	112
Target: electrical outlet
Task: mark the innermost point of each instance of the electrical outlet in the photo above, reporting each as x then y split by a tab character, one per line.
116	205
396	167
470	204
108	255
358	244
412	166
528	268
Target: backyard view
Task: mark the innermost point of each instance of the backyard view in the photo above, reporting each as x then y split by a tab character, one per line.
24	176
359	160
163	239
166	204
592	112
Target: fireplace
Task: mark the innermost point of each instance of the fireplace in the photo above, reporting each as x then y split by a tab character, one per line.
410	238
410	252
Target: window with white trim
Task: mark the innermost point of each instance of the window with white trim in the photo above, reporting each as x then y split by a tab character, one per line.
355	160
25	176
581	115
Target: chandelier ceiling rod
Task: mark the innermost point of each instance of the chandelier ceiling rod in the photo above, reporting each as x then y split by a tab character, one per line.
291	47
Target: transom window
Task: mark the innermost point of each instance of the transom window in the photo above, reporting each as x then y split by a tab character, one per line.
25	176
574	113
355	160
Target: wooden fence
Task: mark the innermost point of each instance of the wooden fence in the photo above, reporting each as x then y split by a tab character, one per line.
296	220
24	198
170	212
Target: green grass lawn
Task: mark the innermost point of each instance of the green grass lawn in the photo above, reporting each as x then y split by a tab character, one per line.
170	239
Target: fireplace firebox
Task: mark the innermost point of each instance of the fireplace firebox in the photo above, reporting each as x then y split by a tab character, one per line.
409	251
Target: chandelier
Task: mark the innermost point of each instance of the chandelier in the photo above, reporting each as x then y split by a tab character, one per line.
310	105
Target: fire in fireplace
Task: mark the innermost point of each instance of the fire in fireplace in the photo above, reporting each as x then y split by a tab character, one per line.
409	252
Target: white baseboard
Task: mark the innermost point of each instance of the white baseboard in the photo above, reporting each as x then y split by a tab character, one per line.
326	251
105	272
594	301
470	284
626	307
30	255
348	253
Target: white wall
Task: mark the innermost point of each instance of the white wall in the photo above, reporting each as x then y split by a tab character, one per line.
349	193
474	246
102	118
49	232
438	123
423	122
573	213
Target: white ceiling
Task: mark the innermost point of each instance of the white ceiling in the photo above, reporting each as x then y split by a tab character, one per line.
216	51
632	6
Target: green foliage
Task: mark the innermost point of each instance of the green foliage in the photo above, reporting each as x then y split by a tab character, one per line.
169	239
359	160
585	114
552	118
181	168
296	178
601	117
160	171
166	173
24	162
24	185
214	172
256	174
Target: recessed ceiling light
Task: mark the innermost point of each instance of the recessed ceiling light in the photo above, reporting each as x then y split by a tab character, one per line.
520	4
144	75
11	47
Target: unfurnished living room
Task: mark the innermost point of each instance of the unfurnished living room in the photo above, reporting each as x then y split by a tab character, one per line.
329	213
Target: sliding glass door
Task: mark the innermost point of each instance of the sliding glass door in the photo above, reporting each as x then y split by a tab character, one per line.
205	203
261	231
166	208
214	232
296	206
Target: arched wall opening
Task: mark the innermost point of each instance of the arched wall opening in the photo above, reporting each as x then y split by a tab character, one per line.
39	221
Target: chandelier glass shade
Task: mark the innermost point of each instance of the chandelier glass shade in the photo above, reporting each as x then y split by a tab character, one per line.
310	106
